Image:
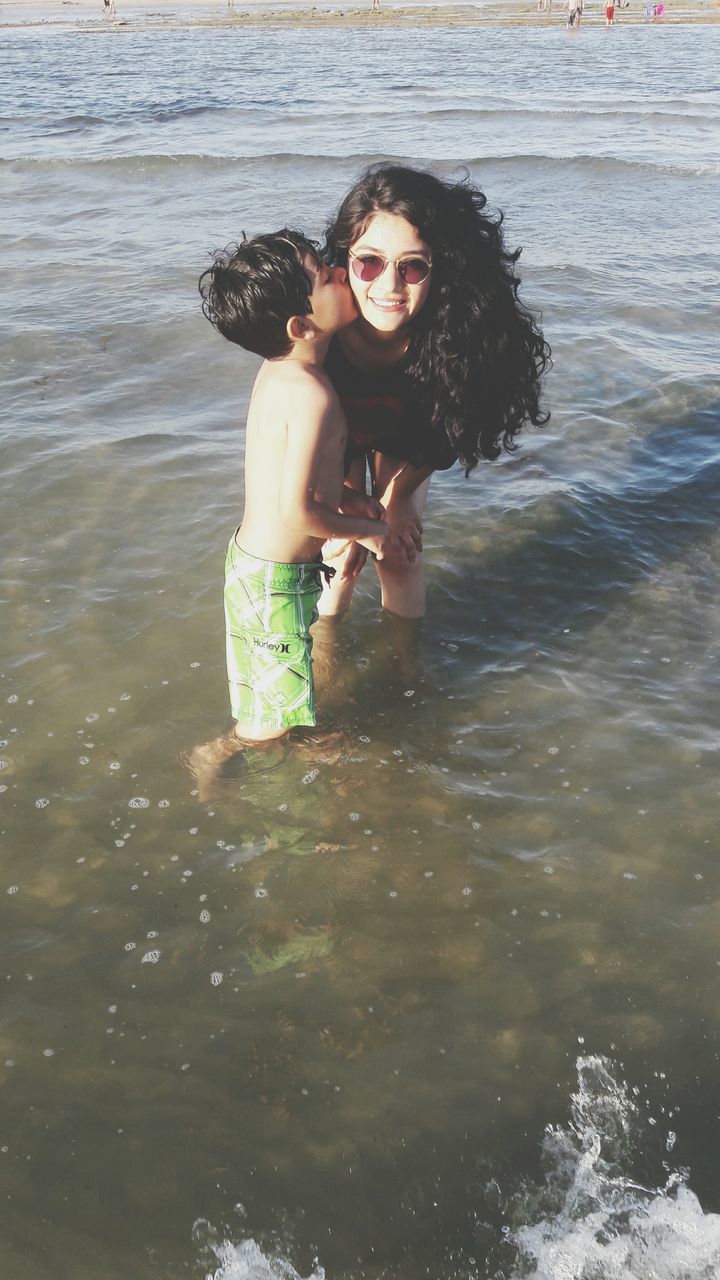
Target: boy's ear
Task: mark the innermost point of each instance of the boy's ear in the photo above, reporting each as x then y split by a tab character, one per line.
300	328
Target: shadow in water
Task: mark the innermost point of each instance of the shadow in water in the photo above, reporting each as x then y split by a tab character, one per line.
598	542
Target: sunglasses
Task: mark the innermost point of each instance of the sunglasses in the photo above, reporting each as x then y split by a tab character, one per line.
370	266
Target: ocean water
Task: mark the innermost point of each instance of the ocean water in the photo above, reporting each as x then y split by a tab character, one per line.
447	1006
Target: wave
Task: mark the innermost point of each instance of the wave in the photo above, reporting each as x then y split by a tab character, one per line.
291	159
154	113
161	160
628	116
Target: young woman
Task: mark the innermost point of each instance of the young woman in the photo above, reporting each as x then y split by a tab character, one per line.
442	365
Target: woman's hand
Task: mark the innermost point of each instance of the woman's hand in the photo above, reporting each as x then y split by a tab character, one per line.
355	556
354	561
354	503
402	489
406	530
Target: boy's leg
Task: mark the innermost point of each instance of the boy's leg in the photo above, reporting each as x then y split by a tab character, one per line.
269	609
252	735
206	761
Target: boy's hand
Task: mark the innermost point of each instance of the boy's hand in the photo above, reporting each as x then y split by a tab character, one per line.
354	503
376	542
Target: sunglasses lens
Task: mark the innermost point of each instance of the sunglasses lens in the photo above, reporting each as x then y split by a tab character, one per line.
414	270
368	266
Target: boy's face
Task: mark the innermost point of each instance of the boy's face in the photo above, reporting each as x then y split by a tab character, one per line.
331	299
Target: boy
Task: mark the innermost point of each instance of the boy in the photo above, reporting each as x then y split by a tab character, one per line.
273	295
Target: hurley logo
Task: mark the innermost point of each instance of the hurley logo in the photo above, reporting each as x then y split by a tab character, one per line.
268	644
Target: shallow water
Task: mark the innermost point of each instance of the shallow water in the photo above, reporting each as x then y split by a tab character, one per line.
323	1022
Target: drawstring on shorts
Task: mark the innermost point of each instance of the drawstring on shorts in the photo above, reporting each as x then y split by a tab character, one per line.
327	571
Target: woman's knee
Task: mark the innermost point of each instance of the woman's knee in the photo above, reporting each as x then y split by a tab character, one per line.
403	587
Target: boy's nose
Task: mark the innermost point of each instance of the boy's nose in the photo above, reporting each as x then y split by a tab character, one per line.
341	274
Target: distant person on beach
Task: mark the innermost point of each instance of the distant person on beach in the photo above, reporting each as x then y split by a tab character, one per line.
610	14
375	6
109	8
443	363
274	295
574	8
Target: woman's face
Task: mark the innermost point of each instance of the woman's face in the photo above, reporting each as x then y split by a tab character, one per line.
389	302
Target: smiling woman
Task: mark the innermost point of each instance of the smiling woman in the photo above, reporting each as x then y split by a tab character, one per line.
442	365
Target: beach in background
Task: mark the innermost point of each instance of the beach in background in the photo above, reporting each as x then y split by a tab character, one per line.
446	1007
78	15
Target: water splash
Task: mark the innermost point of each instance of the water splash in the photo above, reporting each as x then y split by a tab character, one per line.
246	1261
590	1219
598	1223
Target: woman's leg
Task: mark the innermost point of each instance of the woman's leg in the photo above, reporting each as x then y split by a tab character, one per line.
403	585
337	594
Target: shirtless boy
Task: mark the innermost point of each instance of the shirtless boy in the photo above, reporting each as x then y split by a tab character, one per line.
273	295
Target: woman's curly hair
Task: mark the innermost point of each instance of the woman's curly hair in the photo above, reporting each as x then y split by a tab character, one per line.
476	354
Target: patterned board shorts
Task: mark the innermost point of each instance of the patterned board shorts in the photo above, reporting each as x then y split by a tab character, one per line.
269	609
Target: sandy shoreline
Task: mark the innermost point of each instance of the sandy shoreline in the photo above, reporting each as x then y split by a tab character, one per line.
172	15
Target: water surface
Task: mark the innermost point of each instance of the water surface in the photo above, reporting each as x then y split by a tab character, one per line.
323	1022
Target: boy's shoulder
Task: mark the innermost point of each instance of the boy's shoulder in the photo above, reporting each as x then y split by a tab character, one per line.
301	386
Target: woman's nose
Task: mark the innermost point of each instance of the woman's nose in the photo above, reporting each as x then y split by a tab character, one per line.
391	275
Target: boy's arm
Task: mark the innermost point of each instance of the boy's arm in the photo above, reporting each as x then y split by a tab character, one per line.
308	430
353	503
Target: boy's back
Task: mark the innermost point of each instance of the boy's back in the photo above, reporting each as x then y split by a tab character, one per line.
294	450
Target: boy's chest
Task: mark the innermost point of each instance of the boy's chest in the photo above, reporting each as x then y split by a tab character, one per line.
331	468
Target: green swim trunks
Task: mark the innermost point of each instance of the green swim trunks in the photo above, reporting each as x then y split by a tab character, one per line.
269	608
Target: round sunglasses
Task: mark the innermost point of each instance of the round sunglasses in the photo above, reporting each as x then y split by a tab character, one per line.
370	266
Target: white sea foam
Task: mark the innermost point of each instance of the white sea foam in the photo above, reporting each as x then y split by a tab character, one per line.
602	1224
591	1220
246	1261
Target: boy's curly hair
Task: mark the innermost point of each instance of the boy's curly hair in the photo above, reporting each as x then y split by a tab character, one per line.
253	288
476	354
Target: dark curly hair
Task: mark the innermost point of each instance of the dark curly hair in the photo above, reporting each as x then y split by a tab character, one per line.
253	288
476	354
